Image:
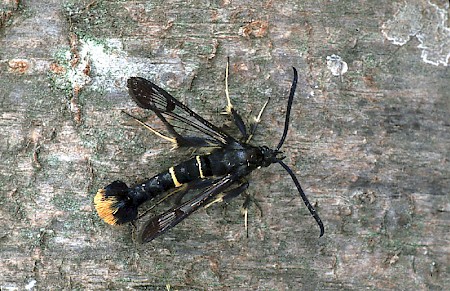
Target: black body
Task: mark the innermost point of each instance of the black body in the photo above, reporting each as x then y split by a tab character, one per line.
221	172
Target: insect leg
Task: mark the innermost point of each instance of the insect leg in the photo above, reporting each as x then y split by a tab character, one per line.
256	121
230	109
245	206
177	191
230	194
161	223
180	193
172	140
244	211
191	186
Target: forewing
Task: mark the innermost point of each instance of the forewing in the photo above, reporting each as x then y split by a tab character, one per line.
161	223
183	124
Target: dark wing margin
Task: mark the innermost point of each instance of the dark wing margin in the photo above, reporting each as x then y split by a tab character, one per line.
162	223
204	134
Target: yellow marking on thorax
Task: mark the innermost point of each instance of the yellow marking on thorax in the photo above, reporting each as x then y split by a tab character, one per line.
199	164
174	177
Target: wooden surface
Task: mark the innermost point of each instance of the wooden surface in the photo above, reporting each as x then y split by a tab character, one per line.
370	146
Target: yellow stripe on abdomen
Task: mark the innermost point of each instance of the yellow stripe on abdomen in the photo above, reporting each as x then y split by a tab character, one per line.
199	165
174	177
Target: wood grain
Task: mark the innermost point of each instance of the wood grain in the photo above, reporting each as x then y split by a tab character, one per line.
370	147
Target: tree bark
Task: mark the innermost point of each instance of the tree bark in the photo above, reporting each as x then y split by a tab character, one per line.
369	141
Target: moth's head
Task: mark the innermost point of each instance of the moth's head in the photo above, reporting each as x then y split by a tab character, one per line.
270	156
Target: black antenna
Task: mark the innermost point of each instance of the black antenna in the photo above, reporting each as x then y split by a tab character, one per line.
305	199
289	106
280	144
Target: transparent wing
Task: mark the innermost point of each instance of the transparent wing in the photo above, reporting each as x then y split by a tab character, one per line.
185	126
161	223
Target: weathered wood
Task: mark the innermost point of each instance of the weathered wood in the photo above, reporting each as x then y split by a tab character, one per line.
370	147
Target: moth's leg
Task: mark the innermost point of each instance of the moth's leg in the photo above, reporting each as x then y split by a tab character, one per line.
199	184
244	212
256	121
229	194
238	121
244	209
179	193
168	138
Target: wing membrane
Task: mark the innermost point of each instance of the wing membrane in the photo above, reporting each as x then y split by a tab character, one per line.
161	223
197	132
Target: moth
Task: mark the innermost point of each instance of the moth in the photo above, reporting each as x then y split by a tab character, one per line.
220	174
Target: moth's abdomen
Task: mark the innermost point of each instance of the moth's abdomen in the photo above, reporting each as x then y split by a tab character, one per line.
117	204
